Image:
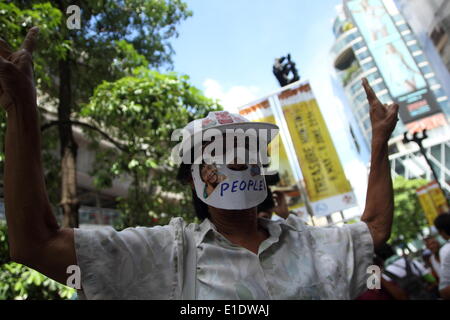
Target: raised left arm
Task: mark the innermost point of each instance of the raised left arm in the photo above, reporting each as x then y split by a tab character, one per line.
379	210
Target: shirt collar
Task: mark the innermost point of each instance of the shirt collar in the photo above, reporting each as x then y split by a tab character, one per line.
275	228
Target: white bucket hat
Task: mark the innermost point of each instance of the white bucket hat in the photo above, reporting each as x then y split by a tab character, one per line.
223	120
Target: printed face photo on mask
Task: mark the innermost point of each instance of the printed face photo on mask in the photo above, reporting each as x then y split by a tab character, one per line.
211	177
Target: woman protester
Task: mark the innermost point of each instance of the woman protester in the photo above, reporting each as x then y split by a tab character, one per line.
231	254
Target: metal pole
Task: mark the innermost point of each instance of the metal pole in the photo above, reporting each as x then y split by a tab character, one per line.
307	204
418	141
342	215
329	220
423	152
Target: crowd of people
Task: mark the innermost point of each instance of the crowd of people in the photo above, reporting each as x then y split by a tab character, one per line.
232	253
404	276
409	277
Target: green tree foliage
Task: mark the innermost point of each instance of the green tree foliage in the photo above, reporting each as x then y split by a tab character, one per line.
70	64
116	36
409	218
20	282
141	111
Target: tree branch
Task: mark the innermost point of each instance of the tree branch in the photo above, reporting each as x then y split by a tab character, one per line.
86	125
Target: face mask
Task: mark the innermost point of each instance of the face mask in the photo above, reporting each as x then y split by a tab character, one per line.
221	187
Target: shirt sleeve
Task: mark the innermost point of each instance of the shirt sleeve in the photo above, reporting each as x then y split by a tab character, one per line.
136	263
345	253
444	280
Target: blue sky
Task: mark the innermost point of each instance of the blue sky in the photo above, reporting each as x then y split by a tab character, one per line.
235	42
228	48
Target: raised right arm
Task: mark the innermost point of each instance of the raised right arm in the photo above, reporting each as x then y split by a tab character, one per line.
35	238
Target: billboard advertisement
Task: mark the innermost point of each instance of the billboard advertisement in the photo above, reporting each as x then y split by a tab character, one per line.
327	187
403	78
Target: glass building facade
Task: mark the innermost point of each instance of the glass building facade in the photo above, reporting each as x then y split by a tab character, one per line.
374	40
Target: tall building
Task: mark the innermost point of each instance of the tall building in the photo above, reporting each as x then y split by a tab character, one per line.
430	20
374	40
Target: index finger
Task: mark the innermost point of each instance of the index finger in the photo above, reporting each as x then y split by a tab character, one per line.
371	96
30	40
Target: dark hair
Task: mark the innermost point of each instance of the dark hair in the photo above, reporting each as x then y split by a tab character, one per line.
385	252
268	204
185	177
442	223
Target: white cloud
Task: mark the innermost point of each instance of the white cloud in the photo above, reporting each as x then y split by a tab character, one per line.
233	97
357	173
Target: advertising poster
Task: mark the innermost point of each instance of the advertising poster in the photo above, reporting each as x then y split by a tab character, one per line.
438	197
327	187
426	202
402	76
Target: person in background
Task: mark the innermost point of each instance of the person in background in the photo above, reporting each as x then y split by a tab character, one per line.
408	274
231	254
274	202
434	246
442	224
389	290
426	255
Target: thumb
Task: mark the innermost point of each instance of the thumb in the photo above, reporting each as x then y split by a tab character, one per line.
3	61
393	112
6	73
29	43
394	109
4	66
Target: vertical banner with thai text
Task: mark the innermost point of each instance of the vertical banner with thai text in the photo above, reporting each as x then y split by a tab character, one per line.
262	112
327	187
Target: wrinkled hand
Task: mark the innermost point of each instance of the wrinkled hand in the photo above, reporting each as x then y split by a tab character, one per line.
382	116
281	207
16	72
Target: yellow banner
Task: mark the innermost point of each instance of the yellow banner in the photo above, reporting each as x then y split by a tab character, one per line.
262	112
427	204
438	197
286	176
319	161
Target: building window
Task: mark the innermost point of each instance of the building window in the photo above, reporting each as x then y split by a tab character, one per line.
366	124
426	69
361	98
414	48
368	65
445	106
409	37
393	149
403	27
373	76
363	55
363	110
355	88
399	167
397	18
439	92
432	81
358	45
378	87
420	58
